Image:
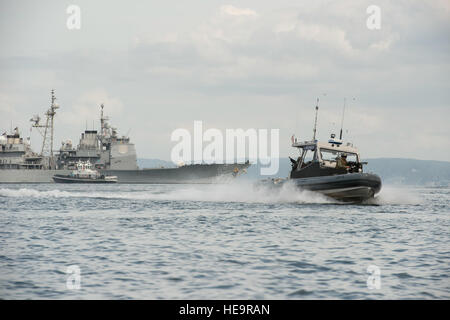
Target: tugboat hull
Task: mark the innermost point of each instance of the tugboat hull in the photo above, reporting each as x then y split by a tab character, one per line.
68	179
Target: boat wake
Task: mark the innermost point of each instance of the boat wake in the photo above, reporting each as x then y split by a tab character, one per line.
245	193
391	195
233	192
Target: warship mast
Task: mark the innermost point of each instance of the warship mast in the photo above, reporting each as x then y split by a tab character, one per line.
48	132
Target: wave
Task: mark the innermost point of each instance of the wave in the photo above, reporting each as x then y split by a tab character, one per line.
247	192
242	192
232	192
391	195
25	192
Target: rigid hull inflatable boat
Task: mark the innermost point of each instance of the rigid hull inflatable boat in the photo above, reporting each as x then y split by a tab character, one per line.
331	168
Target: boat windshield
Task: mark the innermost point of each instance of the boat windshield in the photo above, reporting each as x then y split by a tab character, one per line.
307	156
334	155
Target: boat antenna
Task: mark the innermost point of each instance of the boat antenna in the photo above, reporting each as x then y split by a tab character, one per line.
315	121
342	121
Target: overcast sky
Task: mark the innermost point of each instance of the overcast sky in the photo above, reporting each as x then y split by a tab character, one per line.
160	65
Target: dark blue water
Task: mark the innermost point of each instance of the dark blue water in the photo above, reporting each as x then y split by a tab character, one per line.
221	242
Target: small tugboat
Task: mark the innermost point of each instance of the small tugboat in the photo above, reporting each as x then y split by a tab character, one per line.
331	168
84	174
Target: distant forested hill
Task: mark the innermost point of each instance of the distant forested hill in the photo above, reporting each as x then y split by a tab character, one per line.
411	171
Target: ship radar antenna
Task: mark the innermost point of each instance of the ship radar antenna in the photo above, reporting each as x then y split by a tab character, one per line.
315	121
342	121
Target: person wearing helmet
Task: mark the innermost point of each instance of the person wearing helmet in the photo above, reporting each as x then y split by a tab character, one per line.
342	161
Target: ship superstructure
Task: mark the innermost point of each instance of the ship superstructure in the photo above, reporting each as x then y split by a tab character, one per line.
16	153
105	149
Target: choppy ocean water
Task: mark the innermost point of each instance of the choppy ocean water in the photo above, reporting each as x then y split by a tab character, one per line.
221	242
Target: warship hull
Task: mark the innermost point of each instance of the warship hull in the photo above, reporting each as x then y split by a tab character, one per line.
201	173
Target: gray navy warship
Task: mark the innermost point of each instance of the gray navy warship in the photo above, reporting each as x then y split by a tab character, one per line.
109	153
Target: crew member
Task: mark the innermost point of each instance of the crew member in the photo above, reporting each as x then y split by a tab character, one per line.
342	161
